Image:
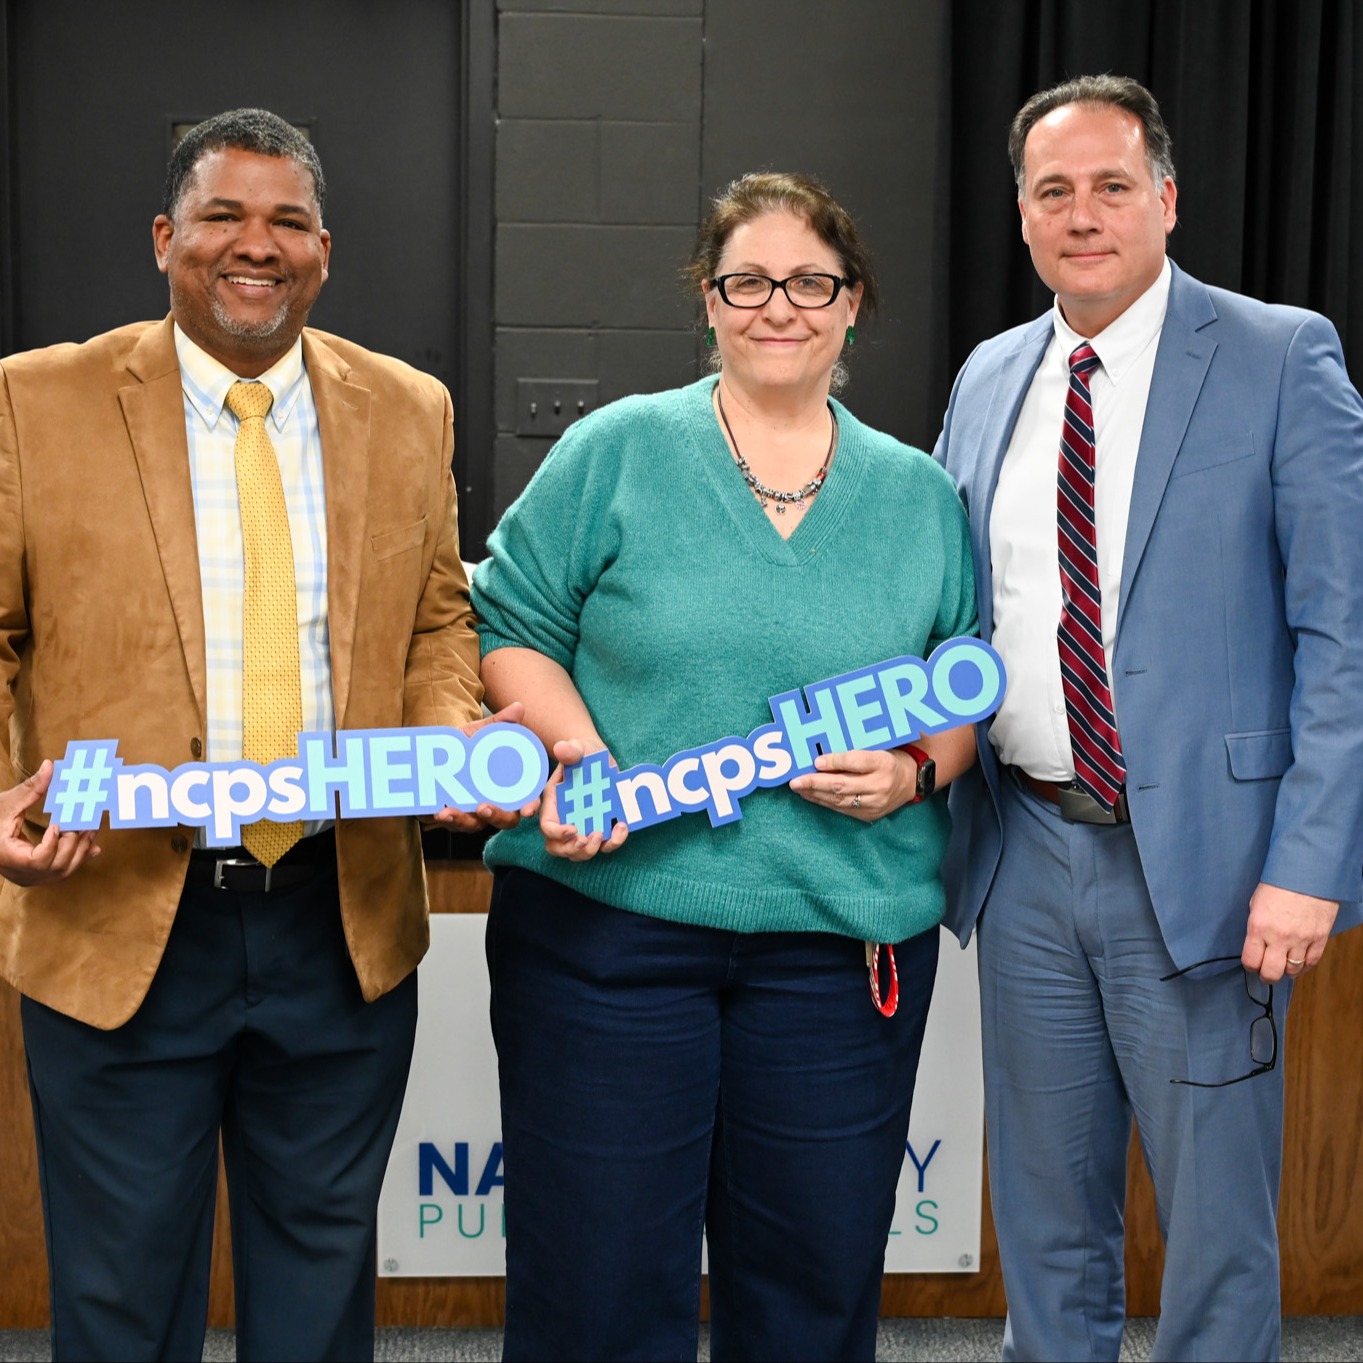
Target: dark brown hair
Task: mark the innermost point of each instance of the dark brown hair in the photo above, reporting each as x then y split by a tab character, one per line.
1114	92
756	194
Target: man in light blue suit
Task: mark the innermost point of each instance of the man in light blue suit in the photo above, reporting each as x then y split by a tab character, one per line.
1166	822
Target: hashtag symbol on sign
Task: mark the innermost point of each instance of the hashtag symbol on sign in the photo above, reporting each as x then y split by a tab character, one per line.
586	799
81	783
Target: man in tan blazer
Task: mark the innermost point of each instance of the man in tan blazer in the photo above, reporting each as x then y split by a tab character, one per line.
173	994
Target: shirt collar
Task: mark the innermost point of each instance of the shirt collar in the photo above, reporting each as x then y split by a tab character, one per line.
205	380
1125	338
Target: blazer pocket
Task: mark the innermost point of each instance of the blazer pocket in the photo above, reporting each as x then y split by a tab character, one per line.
393	542
1212	454
1259	756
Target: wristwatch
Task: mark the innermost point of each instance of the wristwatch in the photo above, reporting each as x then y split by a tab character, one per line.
927	773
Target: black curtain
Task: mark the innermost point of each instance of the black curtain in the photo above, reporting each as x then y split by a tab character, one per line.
1264	101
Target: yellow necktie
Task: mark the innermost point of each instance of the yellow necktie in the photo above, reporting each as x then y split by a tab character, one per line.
271	685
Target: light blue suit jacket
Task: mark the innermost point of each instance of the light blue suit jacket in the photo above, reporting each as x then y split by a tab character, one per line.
1238	665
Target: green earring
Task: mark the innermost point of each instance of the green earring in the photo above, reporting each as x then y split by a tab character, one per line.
710	336
851	335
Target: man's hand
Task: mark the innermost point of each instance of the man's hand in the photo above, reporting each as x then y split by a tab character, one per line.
489	816
56	856
1288	932
562	839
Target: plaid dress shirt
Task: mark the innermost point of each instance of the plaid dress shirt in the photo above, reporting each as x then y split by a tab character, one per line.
212	432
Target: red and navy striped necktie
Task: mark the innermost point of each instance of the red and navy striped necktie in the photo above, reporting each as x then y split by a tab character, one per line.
1099	766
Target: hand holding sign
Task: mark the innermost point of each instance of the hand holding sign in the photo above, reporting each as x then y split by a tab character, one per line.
488	815
574	833
55	856
865	785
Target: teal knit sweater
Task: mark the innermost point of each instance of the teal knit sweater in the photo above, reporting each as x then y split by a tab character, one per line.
639	560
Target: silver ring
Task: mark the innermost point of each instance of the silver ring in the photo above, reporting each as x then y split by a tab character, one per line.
856	800
1290	961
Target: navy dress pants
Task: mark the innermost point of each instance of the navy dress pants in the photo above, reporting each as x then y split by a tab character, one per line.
254	1029
660	1079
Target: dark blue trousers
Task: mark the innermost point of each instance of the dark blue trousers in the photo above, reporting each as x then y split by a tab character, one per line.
254	1030
658	1080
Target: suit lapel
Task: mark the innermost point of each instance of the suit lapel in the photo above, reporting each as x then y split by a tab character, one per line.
1016	370
343	422
153	409
1181	363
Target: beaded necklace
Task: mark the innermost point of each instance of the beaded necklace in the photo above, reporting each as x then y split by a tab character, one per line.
767	494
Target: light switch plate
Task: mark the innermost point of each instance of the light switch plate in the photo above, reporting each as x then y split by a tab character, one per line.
549	406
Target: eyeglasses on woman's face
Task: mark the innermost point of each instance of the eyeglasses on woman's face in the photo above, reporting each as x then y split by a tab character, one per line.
754	290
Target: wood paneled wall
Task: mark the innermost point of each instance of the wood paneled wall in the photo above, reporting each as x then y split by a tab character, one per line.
1319	1219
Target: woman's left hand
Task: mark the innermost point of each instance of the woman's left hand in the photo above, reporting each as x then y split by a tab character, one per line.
866	785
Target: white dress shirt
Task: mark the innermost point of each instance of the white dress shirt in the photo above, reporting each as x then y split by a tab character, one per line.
211	429
1031	730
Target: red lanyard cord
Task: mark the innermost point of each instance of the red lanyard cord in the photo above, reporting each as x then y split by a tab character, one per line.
891	1003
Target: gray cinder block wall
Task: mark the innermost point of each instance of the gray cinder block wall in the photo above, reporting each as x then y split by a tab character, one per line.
598	192
617	119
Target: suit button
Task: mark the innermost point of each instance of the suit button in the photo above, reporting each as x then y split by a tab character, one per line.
179	843
196	748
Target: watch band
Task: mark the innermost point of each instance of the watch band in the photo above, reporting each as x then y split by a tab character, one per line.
926	768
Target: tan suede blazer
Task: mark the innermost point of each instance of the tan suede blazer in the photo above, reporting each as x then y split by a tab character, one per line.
102	633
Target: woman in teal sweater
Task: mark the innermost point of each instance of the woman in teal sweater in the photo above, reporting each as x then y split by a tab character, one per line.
684	1031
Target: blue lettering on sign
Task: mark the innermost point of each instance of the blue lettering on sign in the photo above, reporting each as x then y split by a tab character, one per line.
454	1174
431	1162
369	773
492	1172
884	706
922	1165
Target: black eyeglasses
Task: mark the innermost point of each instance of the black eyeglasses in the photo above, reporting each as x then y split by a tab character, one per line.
1263	1031
753	290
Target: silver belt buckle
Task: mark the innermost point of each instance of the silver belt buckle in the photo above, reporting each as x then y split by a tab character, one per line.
1078	806
236	861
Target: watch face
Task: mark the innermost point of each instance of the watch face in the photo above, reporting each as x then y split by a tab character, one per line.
927	778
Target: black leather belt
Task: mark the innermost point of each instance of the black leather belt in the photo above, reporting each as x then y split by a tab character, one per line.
235	869
1076	804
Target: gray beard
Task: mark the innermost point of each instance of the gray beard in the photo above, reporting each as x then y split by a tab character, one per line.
249	331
